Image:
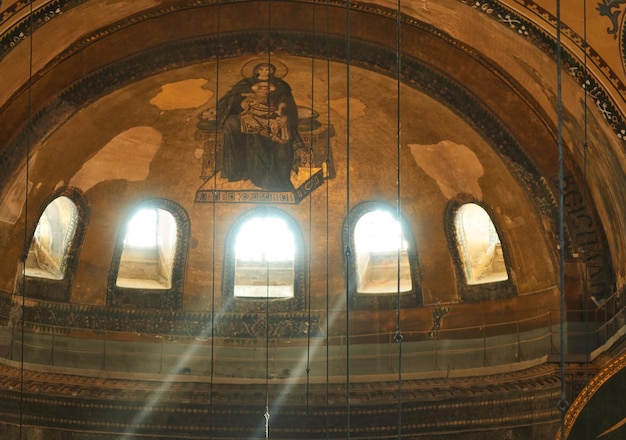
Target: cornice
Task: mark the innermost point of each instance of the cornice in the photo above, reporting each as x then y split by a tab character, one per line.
64	317
429	406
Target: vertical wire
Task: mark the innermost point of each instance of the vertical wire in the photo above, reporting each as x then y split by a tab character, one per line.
585	151
327	162
26	185
562	405
266	415
585	128
348	251
398	337
308	340
214	215
584	190
586	133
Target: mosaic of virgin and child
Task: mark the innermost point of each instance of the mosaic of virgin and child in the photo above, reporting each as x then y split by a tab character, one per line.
258	120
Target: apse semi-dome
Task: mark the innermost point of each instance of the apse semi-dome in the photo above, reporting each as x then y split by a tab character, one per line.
285	219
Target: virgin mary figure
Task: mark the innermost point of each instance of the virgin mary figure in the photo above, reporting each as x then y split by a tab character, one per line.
258	117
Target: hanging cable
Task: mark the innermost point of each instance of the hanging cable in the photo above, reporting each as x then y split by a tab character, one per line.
584	256
310	159
29	124
266	415
398	337
563	404
326	164
348	251
214	213
585	152
585	127
585	299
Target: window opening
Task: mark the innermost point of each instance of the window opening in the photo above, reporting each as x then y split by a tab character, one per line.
149	250
49	247
264	259
479	246
378	237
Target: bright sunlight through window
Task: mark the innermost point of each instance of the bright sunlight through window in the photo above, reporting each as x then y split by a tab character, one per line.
479	246
378	240
264	259
53	236
142	229
149	250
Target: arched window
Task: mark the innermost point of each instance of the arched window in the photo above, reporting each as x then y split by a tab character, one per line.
149	257
264	253
479	246
148	252
380	252
51	242
51	257
383	258
264	259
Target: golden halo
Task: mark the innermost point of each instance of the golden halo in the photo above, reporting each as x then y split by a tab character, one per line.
247	70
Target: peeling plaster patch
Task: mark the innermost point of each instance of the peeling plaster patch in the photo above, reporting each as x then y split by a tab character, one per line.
182	94
127	156
198	153
514	222
454	167
13	201
357	108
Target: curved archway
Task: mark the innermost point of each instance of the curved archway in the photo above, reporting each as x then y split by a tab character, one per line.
54	245
148	270
264	260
